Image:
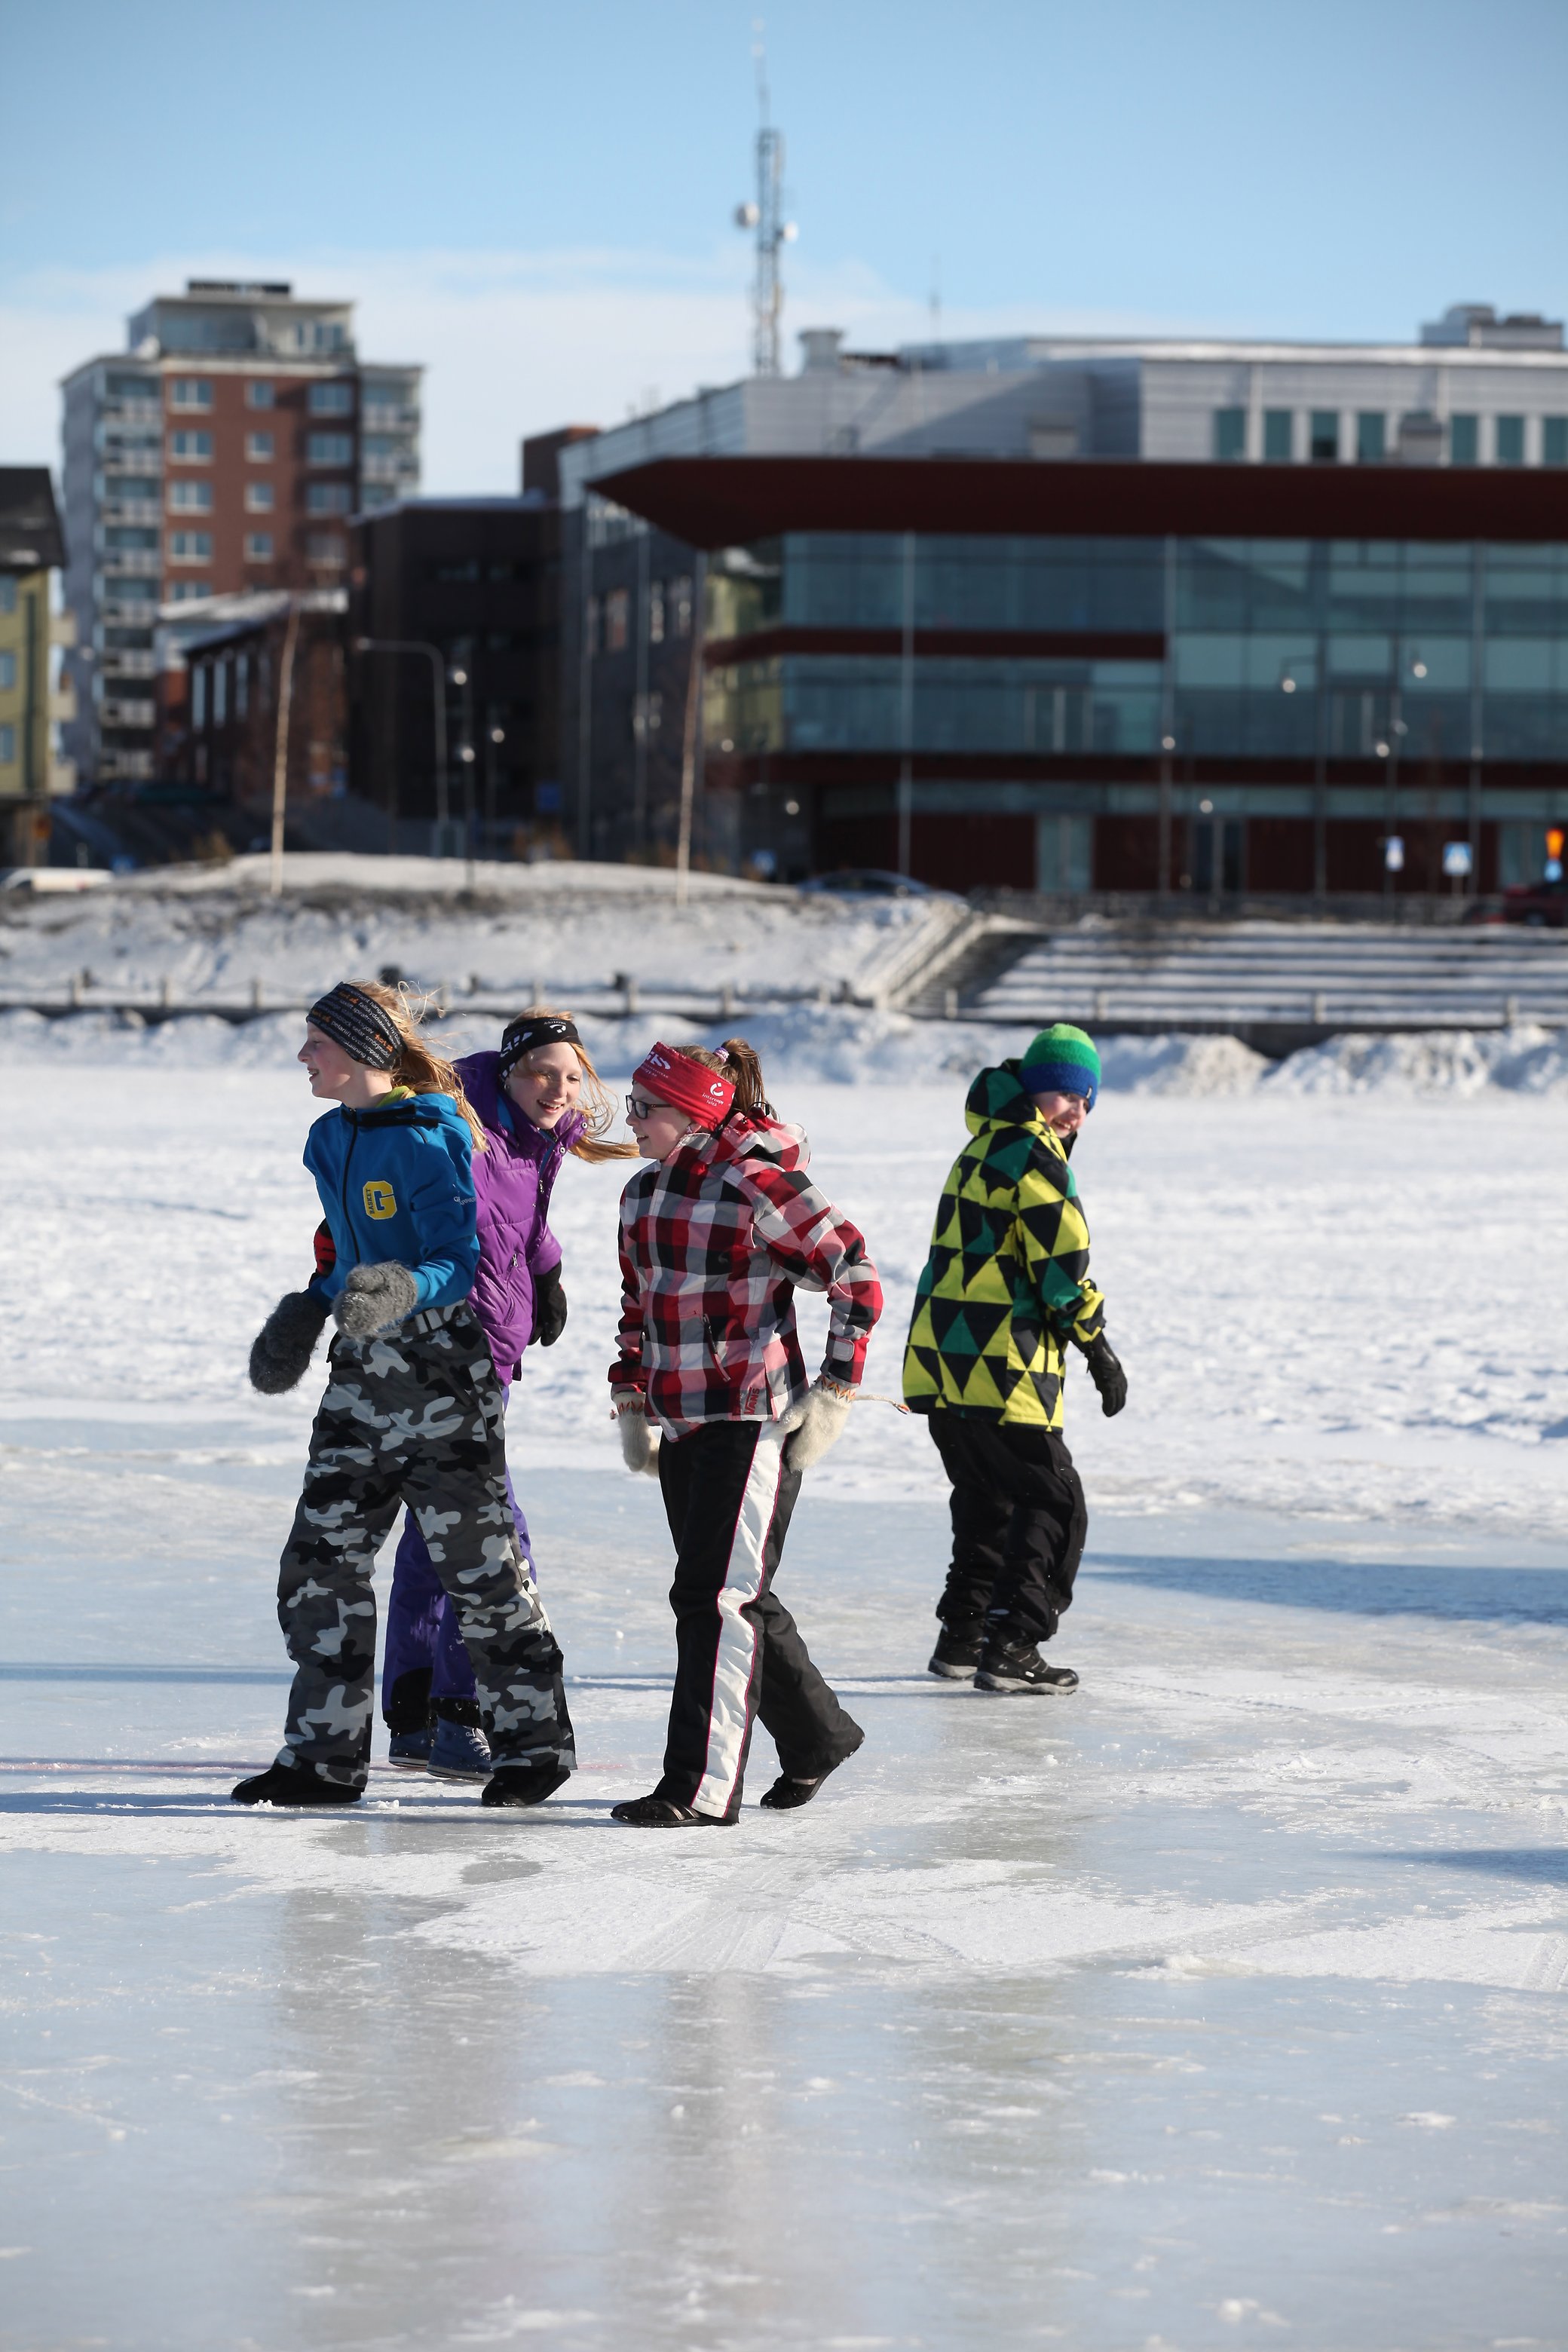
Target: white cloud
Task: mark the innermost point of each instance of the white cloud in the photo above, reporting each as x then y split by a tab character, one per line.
513	342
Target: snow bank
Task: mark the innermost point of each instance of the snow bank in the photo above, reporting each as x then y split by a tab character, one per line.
1525	1060
846	1046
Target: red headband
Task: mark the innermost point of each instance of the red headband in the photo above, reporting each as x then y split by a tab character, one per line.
690	1085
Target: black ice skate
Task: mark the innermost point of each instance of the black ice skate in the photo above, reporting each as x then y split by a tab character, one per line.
290	1784
664	1813
1018	1666
523	1784
957	1653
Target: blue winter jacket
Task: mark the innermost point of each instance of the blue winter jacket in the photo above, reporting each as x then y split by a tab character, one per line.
396	1184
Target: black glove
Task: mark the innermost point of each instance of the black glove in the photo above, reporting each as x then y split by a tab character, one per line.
549	1308
281	1353
1105	1371
374	1298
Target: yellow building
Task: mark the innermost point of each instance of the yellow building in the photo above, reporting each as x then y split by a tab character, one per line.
33	699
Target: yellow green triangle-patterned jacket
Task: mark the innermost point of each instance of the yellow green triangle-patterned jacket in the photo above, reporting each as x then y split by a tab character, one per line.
1006	1284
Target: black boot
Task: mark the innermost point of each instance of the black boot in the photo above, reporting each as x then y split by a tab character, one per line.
664	1813
523	1784
1015	1666
957	1651
289	1784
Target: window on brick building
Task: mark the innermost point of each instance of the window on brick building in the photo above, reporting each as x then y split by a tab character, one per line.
186	591
259	547
325	547
258	448
259	498
332	400
328	497
259	393
330	449
190	547
191	447
188	391
190	497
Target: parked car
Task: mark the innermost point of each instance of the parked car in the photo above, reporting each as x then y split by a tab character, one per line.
1542	905
871	882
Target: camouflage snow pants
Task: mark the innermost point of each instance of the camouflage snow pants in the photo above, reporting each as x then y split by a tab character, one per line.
413	1416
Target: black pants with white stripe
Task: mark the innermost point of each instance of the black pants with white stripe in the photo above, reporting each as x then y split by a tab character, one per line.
728	1496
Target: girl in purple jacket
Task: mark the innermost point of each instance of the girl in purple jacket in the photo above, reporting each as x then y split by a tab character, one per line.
538	1099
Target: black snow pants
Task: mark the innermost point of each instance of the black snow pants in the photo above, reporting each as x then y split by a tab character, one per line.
728	1496
1019	1520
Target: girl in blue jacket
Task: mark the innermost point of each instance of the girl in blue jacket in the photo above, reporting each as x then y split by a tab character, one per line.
538	1101
413	1413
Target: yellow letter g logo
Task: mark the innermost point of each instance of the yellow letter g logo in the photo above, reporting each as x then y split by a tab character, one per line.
380	1201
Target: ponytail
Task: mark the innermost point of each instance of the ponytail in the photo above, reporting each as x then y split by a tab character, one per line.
738	1062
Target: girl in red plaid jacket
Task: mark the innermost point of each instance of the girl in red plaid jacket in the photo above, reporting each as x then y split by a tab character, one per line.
712	1396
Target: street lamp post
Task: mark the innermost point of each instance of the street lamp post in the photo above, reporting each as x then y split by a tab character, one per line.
438	661
467	756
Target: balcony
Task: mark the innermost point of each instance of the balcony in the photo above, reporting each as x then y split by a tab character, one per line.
62	628
132	461
389	469
120	713
62	703
115	509
62	775
135	767
374	418
132	612
133	562
133	412
122	662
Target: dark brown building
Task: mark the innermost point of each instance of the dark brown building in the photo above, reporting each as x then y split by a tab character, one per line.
454	626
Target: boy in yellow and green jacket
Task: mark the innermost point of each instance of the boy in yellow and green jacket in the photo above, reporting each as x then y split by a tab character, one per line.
1006	1290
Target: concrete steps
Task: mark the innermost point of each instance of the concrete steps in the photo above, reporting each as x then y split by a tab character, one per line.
1295	982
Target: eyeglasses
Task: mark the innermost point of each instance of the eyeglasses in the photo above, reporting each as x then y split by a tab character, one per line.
640	1107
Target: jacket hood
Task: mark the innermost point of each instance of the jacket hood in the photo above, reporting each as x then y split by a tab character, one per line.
741	1138
480	1074
1000	1098
413	1111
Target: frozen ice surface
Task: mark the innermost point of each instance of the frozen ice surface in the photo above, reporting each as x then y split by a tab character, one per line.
1220	2004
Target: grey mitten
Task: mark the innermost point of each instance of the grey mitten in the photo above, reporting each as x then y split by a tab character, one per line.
817	1422
639	1438
281	1351
373	1298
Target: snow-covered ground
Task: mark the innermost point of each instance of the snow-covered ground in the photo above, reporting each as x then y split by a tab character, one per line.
563	928
1218	2005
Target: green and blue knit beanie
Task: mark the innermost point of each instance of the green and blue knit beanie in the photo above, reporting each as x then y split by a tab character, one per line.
1062	1060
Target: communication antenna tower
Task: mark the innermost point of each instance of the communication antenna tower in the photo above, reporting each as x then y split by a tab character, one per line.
765	214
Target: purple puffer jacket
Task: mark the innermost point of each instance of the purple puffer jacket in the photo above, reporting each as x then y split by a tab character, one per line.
513	1178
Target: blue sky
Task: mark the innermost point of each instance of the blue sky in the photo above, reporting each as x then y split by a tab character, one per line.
536	200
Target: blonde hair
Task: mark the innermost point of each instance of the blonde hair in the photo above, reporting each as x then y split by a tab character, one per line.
595	1102
421	1070
738	1062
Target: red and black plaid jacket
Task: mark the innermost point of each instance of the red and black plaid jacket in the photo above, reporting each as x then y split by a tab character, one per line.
714	1241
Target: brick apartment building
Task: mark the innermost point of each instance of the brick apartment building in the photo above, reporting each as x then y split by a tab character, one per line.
221	454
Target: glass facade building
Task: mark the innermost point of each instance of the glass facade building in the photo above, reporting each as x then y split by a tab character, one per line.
1312	697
